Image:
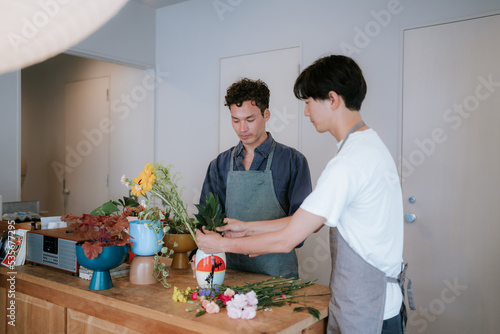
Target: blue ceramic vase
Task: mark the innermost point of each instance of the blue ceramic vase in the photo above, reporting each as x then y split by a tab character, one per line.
111	257
144	238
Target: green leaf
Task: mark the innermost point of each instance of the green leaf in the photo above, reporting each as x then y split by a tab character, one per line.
210	215
130	202
312	311
200	312
106	209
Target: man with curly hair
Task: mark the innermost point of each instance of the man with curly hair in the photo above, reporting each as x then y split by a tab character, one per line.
258	179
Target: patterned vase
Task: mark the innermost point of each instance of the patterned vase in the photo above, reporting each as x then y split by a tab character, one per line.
210	268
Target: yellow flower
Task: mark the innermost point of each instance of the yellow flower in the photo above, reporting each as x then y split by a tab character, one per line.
144	181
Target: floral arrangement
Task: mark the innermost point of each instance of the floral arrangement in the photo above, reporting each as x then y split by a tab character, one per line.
101	231
158	182
243	301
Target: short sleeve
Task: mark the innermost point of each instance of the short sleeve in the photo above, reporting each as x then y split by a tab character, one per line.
332	193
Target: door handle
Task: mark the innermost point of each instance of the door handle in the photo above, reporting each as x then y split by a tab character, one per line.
65	190
410	217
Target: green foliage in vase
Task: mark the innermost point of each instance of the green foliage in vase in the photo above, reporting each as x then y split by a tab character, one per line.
111	206
210	215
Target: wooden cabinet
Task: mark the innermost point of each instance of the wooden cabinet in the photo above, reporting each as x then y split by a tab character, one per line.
78	322
34	315
51	301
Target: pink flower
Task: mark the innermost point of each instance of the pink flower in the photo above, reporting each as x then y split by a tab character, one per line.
233	312
249	312
229	292
239	301
212	308
204	303
252	298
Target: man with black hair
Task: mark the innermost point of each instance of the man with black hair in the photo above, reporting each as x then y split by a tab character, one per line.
258	179
356	196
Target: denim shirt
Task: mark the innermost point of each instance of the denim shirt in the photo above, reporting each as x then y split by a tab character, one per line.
291	176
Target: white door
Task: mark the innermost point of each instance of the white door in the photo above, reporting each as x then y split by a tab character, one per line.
451	172
87	126
278	69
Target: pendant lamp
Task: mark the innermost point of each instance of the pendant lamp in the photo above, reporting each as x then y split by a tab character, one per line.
32	31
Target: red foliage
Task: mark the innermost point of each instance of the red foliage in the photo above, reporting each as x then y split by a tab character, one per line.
100	231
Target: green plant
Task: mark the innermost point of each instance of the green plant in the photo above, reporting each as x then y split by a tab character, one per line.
111	206
210	215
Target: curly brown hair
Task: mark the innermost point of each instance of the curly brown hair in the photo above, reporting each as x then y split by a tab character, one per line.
246	89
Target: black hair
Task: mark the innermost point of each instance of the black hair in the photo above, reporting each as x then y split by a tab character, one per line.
246	89
335	73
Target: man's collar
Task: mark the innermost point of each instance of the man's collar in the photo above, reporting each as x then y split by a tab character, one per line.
263	148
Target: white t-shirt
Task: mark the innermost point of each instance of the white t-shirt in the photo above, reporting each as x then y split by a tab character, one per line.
359	193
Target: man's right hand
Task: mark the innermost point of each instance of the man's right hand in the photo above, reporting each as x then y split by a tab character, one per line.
234	229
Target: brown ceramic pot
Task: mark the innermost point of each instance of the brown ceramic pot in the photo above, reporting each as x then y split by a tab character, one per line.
185	244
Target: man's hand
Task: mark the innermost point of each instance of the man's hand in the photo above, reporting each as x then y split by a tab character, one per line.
193	265
208	241
234	229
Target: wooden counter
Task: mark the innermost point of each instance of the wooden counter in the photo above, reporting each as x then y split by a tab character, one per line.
51	301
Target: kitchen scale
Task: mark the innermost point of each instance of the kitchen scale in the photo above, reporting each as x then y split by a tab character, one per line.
53	248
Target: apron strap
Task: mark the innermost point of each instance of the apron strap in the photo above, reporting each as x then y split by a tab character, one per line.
409	288
401	281
271	155
356	126
231	160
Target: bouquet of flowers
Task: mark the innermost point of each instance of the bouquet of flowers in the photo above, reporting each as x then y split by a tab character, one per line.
243	301
158	182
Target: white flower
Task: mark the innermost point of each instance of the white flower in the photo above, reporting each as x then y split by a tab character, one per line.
249	312
239	301
138	187
123	180
252	298
233	312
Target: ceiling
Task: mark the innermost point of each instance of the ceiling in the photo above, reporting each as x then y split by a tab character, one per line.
159	3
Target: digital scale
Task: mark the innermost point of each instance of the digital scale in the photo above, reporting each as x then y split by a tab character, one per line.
53	248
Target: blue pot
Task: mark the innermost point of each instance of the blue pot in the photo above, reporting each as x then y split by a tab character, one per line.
111	257
145	239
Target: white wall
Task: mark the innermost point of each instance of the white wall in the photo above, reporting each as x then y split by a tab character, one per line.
128	38
10	130
43	142
188	101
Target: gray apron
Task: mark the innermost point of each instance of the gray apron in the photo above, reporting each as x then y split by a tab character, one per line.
250	196
358	289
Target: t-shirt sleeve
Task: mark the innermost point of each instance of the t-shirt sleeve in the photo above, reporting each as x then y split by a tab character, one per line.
300	183
332	192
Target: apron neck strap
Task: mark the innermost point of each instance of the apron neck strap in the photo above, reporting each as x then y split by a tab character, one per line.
354	128
271	155
269	158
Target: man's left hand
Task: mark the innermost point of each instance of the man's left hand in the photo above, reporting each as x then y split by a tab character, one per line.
209	242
